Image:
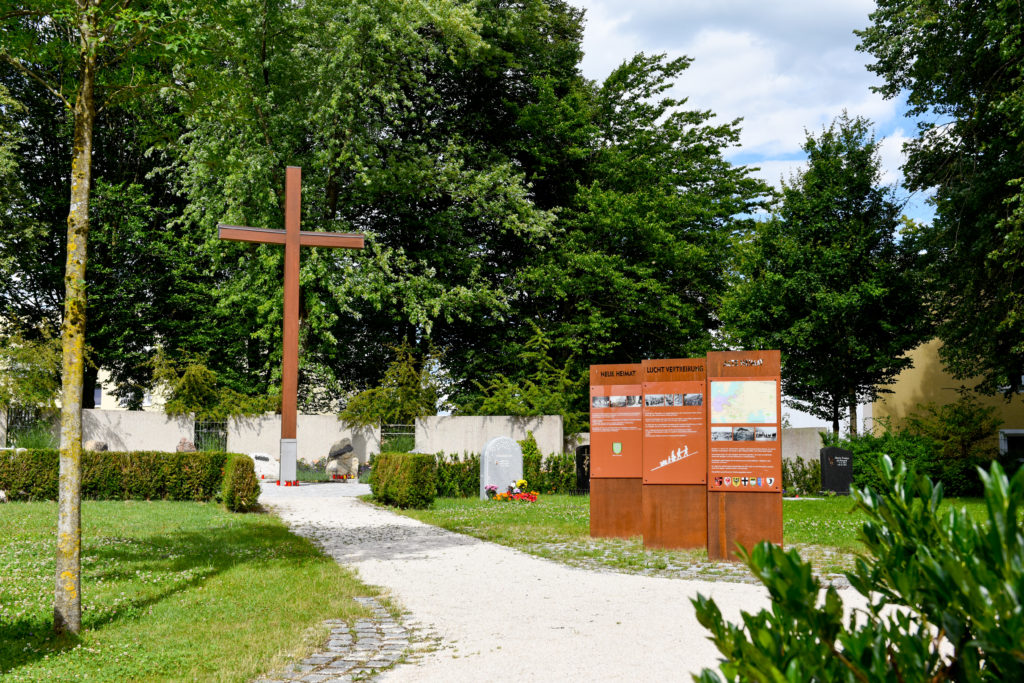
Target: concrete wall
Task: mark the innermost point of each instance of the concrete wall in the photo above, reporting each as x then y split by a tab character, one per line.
803	443
468	434
315	433
135	430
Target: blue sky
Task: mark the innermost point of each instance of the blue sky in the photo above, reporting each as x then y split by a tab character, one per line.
783	66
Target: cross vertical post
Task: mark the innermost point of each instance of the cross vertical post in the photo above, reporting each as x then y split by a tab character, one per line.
292	238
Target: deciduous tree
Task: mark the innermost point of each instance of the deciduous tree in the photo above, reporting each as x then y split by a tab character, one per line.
961	67
827	280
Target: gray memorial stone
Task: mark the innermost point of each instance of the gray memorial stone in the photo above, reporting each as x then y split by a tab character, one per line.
501	463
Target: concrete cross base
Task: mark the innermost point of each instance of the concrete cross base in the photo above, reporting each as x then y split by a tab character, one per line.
289	455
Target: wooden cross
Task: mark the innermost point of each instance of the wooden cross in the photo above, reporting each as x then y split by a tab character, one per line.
292	238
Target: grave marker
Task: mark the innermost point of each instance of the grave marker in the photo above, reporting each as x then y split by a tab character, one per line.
501	463
836	470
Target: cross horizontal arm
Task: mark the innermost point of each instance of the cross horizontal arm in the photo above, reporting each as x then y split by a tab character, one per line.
238	233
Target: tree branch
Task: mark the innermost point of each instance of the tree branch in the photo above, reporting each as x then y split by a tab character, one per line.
36	77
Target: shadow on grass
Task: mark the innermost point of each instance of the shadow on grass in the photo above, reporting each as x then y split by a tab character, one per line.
192	557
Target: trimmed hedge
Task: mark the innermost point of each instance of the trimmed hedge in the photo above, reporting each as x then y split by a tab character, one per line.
458	477
405	480
111	475
240	488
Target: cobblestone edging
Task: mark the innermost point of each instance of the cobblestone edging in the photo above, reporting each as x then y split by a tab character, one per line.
356	653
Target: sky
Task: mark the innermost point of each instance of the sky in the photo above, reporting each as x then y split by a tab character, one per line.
784	66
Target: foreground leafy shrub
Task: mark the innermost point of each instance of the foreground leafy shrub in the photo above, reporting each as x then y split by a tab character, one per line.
405	480
801	477
957	587
111	475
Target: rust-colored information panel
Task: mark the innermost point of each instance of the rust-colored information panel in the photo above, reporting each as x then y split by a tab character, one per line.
744	422
675	428
616	421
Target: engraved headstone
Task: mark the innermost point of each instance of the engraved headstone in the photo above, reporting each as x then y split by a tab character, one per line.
836	470
501	463
583	467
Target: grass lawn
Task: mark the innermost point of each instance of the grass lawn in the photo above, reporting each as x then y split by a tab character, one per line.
170	590
558	527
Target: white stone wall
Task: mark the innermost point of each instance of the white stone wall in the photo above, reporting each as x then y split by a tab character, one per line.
801	443
315	435
468	434
135	430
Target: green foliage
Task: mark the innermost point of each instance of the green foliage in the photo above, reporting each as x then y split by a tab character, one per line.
964	430
191	388
955	584
405	480
40	434
240	488
458	477
801	477
410	389
958	66
135	475
30	370
825	280
542	388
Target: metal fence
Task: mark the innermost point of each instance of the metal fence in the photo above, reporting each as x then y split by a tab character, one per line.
31	427
211	435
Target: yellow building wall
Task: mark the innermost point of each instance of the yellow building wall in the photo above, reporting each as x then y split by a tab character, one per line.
928	382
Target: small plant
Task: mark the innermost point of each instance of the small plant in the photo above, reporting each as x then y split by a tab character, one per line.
801	477
39	435
491	490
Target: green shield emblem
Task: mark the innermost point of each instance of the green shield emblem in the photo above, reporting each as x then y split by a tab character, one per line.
617	448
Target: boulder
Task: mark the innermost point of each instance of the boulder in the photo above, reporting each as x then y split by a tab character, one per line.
266	465
342	460
186	446
94	445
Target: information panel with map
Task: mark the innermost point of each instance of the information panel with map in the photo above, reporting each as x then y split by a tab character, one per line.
745	452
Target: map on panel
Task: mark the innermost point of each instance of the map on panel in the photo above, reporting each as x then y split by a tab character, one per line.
745	402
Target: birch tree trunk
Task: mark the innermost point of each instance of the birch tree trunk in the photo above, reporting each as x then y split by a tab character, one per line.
67	608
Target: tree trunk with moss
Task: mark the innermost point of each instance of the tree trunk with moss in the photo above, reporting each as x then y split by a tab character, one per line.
67	609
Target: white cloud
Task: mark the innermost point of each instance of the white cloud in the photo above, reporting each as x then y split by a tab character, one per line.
784	67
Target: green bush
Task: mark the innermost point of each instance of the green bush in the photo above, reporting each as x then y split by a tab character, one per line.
109	475
943	595
240	487
801	477
958	476
559	474
458	477
405	480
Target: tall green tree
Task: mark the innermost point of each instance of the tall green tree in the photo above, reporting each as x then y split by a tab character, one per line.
645	206
961	67
86	54
826	279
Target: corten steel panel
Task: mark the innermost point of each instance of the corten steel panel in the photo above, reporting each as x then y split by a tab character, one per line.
675	516
616	507
616	421
745	469
675	422
744	518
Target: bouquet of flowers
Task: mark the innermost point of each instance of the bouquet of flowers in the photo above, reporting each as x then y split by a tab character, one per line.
516	491
491	490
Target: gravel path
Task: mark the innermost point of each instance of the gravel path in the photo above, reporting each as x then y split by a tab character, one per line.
502	613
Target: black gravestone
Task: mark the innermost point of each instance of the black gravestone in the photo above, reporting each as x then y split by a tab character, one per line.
836	470
583	468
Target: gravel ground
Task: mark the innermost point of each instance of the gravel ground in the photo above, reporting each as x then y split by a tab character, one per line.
499	612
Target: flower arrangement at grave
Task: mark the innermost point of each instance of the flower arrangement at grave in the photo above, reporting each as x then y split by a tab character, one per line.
516	491
491	490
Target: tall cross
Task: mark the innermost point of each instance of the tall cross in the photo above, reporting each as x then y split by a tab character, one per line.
292	238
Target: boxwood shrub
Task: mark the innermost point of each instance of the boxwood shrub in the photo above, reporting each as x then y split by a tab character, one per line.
458	477
405	480
240	487
112	475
